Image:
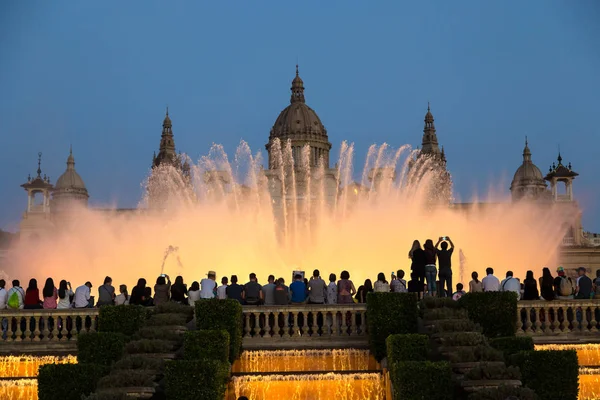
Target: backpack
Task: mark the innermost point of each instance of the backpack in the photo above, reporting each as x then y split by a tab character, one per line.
13	300
566	288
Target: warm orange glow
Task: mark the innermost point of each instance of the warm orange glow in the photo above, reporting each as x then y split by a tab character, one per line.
305	360
588	355
27	366
25	389
370	234
313	387
589	385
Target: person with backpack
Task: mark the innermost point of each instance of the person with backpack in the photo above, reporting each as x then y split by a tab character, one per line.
563	285
15	296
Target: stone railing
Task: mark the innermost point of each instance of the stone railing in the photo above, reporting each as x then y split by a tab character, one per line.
559	320
303	326
31	329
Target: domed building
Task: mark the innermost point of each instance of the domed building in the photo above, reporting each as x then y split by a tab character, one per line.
300	126
528	182
69	191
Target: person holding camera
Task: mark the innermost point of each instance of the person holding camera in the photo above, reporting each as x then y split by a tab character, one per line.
445	263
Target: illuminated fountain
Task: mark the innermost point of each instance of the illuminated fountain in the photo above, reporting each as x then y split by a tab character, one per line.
588	356
22	368
348	374
235	217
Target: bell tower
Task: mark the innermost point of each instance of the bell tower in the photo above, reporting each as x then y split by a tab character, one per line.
37	219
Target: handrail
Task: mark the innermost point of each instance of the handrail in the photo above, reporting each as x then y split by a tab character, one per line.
561	317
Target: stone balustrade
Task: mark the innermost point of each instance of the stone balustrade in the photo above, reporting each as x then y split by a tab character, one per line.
45	330
305	326
559	320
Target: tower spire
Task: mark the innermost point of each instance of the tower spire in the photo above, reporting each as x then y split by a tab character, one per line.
39	170
430	142
526	152
297	89
166	152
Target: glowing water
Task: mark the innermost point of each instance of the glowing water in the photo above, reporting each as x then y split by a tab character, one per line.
311	387
27	366
24	389
226	221
305	360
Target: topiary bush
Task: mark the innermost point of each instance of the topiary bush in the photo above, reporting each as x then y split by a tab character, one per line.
68	381
512	345
159	332
149	346
493	372
409	347
122	319
102	348
496	312
552	374
476	354
418	380
140	362
127	378
167	320
222	315
207	345
107	396
455	325
436	314
461	339
387	314
197	379
504	393
174	308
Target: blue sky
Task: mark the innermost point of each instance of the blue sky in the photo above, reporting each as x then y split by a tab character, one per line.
99	74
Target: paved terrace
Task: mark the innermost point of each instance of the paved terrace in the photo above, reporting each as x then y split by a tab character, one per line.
297	326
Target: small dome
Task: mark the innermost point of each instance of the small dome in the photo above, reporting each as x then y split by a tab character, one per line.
70	179
298	118
528	172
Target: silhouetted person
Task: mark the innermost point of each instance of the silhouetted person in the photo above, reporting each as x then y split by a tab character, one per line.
445	264
417	255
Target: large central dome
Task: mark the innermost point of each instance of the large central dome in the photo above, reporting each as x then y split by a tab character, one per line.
300	125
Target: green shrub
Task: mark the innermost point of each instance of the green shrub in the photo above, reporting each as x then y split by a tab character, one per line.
552	374
167	320
206	344
174	308
503	393
493	372
198	379
140	362
418	380
512	345
409	347
455	325
438	302
461	339
159	332
123	319
100	347
127	378
388	314
149	346
222	315
476	354
68	381
436	314
496	312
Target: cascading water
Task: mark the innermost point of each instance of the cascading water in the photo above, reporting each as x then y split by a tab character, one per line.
349	374
235	217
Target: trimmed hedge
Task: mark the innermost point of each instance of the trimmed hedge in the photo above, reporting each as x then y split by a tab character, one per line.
388	314
125	319
215	314
167	320
552	374
410	347
140	362
127	378
174	308
418	380
102	348
512	345
149	346
503	393
198	379
496	312
68	381
207	345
